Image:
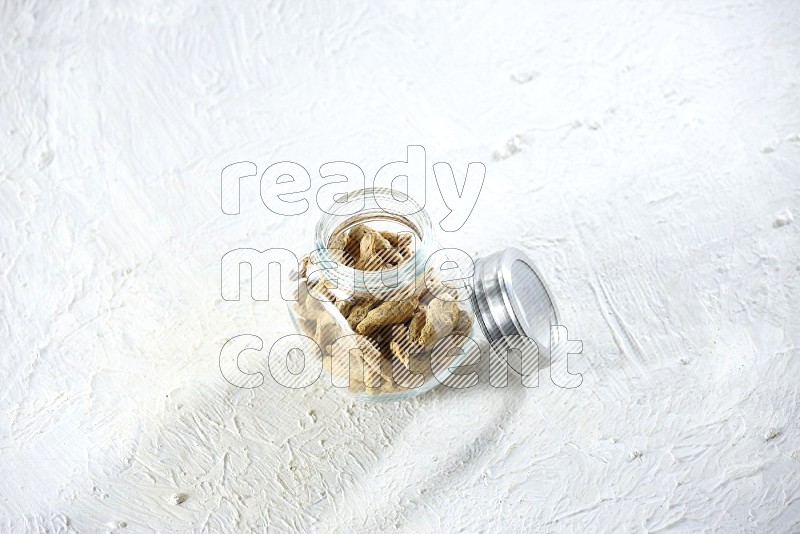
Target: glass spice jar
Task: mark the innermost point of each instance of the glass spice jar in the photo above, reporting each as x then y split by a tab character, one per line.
392	314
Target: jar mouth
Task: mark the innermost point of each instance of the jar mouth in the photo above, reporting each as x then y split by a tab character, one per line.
377	204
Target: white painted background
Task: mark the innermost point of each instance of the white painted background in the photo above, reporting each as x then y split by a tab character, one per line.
656	183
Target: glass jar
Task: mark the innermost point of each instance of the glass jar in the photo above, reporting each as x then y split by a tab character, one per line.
392	314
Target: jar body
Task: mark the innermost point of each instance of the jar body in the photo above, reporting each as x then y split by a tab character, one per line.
386	308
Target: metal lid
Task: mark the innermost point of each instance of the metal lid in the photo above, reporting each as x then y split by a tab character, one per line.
510	299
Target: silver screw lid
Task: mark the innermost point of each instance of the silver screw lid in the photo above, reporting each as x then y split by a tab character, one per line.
510	299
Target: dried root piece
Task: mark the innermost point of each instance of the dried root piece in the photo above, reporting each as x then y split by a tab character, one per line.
343	358
376	362
339	249
307	326
397	240
380	338
405	252
408	352
463	323
374	257
389	257
344	306
302	270
372	377
366	249
369	243
319	291
326	333
387	250
440	319
303	300
368	259
402	245
359	311
352	250
417	322
357	232
359	360
401	353
386	314
353	246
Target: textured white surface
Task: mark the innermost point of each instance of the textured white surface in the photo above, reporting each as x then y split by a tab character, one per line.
647	155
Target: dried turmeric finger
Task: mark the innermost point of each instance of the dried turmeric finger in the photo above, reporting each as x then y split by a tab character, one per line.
368	260
406	350
417	322
397	240
302	268
387	313
440	319
390	256
357	232
317	289
354	237
401	246
376	362
358	312
370	243
301	307
339	250
326	333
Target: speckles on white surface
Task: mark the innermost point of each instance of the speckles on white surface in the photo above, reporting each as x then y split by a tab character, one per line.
523	77
783	218
771	146
632	172
509	147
